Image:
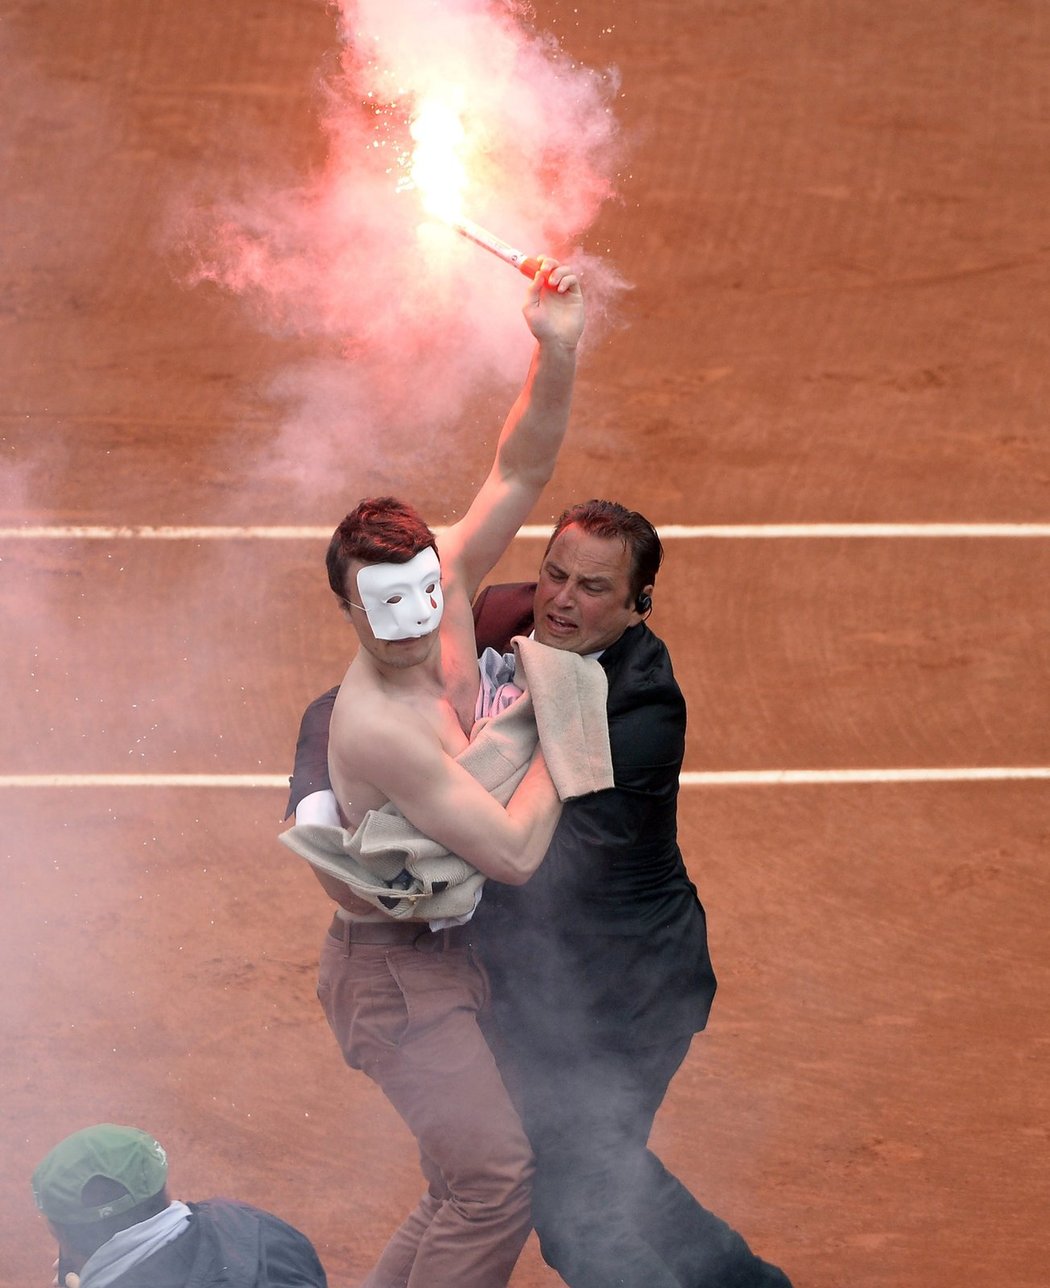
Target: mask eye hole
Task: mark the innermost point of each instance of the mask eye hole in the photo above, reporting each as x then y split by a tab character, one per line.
394	599
431	588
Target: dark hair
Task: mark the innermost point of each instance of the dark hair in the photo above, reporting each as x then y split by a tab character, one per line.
83	1240
380	529
610	519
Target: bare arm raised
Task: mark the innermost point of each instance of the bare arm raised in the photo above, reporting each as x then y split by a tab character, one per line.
407	702
532	432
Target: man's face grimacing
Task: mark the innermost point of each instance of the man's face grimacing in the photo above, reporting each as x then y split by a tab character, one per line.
583	599
402	601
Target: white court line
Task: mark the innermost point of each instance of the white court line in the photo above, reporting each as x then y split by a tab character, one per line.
713	778
669	532
144	780
778	777
767	777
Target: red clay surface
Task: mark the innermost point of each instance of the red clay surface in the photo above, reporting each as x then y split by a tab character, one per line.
835	220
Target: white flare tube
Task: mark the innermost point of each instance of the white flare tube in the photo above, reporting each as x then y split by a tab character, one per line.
529	265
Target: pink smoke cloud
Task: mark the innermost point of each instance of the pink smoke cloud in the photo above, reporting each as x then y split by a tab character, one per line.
397	300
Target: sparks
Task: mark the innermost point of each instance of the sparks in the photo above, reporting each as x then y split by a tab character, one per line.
438	172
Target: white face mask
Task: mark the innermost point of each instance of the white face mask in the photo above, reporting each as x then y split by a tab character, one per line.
402	600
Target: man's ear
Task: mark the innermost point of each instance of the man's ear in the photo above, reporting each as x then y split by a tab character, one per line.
643	604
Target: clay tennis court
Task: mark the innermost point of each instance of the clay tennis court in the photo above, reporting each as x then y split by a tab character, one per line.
834	217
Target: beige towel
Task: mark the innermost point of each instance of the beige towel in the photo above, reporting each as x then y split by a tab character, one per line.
563	705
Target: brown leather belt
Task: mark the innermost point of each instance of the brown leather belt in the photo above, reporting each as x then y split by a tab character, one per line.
410	934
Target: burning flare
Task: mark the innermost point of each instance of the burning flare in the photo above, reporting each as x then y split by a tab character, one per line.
438	172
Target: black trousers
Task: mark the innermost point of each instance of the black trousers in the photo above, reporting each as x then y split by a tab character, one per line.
607	1212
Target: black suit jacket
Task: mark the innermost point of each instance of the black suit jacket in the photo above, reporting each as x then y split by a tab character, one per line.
608	937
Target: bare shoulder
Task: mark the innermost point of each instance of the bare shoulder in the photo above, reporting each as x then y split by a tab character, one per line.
370	729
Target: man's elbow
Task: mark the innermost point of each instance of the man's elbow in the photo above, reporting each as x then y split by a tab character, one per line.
516	876
509	868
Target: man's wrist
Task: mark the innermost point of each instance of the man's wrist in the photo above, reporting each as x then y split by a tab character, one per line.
554	344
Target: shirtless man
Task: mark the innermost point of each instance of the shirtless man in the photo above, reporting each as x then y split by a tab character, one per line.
401	998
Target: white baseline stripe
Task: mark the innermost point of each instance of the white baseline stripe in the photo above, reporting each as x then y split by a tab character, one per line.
144	780
809	531
792	777
669	532
714	778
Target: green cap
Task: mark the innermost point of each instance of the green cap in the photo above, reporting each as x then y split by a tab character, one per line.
123	1154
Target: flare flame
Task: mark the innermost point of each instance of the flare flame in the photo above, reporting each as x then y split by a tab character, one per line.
438	172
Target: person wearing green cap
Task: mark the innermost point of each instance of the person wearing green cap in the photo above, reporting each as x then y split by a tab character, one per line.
104	1193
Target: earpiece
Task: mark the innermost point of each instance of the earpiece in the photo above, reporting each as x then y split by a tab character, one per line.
643	604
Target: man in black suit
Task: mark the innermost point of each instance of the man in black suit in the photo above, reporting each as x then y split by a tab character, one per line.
599	963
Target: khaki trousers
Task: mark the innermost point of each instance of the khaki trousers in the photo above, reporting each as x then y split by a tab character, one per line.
408	1019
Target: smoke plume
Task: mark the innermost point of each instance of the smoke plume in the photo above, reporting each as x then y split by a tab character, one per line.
408	319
